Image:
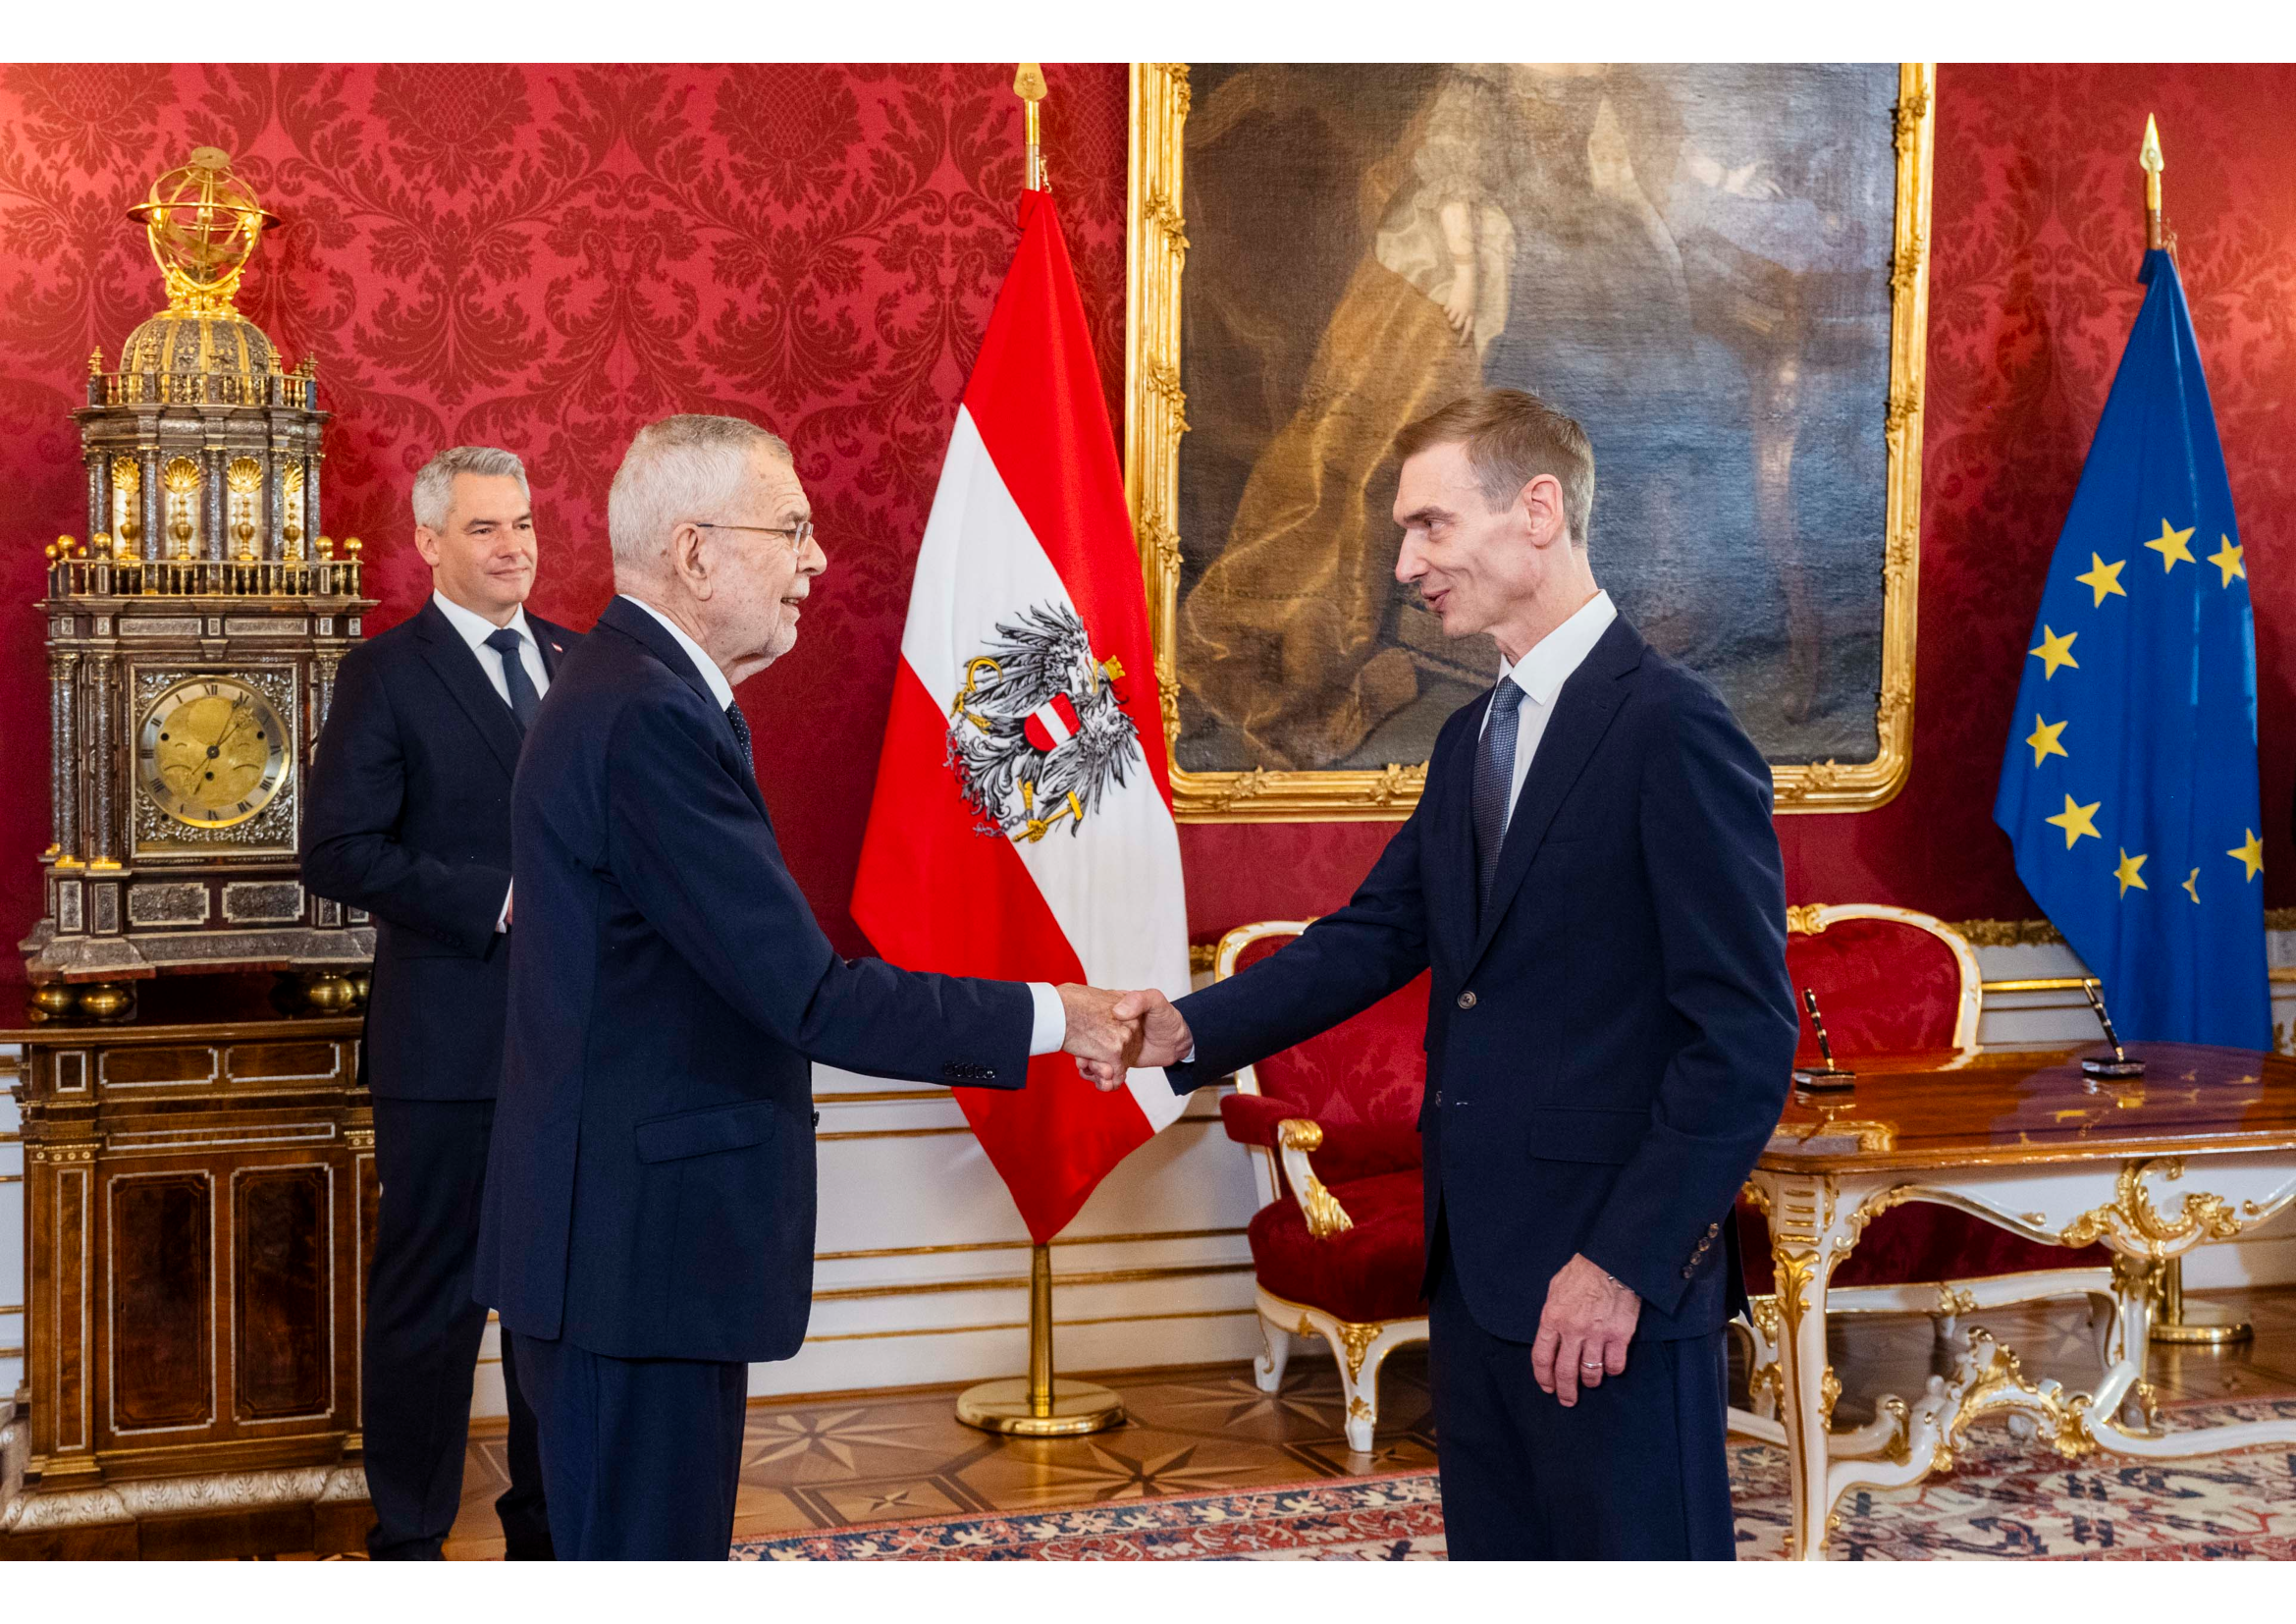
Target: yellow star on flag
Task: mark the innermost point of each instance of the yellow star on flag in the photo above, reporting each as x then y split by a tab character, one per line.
2252	852
2076	821
2192	885
2044	737
2126	874
2171	545
2226	558
2103	579
2055	651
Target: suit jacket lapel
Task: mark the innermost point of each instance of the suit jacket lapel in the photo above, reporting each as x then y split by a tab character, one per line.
550	650
1584	710
628	619
1451	786
451	657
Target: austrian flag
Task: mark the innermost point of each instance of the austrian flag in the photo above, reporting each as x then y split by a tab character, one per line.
1022	825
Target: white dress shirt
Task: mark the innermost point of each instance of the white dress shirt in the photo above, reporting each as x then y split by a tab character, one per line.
1541	676
475	628
478	628
1050	1029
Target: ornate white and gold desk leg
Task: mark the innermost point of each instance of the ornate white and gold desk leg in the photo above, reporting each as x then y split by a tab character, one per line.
1806	1240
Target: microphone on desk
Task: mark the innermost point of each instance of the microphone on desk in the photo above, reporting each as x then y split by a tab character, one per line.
1827	1078
2095	1065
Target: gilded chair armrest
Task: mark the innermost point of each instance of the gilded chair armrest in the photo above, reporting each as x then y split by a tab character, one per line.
1295	1137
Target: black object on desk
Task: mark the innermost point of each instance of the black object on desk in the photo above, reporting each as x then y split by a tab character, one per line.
1827	1078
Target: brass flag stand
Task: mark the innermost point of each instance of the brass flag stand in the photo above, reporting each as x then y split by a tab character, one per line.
1038	1405
2173	1321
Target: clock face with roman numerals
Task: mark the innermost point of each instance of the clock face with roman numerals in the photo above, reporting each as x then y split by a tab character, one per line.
212	752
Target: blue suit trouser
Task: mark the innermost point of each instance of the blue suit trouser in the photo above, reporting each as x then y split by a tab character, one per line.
1638	1470
641	1457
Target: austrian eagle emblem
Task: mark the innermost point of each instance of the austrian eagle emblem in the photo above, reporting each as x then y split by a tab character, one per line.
1038	731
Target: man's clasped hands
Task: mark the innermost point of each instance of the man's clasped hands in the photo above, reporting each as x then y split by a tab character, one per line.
1109	1033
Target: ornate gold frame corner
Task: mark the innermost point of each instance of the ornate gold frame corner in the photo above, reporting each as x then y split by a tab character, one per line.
1156	417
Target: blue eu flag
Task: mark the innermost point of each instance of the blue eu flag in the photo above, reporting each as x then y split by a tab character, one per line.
2129	787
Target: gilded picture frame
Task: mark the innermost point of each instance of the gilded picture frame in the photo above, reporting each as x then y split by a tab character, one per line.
1157	419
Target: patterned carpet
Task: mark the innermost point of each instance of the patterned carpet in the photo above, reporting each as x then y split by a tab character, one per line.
2005	1498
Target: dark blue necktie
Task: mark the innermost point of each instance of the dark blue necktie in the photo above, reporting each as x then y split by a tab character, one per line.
1494	782
741	737
524	701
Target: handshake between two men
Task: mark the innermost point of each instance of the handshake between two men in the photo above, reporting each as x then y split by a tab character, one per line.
1109	1032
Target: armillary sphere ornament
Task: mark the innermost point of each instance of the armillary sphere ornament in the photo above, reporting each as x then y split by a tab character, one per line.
204	223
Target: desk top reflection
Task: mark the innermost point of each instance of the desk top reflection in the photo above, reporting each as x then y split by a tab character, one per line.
2033	1105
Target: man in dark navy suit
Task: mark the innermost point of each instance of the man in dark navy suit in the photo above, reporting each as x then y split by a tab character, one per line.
1592	876
409	818
649	1221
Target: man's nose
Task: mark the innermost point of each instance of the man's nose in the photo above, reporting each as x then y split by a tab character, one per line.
1409	566
815	559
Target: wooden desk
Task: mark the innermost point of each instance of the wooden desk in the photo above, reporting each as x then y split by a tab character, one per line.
2200	1149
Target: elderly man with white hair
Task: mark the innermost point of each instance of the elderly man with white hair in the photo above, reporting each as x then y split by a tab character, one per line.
409	818
649	1216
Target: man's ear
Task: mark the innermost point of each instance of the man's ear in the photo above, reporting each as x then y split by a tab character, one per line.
426	542
1542	505
689	560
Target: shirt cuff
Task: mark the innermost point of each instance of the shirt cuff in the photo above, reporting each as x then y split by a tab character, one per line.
1050	1031
503	919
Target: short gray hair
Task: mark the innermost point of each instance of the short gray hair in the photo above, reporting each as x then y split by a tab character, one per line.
434	487
675	470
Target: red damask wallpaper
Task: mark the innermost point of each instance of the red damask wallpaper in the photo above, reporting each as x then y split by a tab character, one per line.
547	257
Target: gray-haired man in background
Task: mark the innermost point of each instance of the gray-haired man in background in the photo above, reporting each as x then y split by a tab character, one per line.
410	819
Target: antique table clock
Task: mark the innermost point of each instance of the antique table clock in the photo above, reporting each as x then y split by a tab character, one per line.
193	642
199	1181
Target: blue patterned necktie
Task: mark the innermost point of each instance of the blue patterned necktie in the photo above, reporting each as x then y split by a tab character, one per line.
1494	784
740	726
524	701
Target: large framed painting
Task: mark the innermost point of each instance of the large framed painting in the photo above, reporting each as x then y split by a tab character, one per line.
1719	270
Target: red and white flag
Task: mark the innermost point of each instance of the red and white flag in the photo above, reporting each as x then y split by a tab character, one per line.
1022	825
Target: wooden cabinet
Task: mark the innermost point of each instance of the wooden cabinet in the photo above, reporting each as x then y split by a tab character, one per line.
199	1206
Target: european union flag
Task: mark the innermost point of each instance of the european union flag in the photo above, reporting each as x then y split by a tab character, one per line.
2129	787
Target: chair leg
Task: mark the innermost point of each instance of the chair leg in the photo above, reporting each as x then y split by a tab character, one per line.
1267	1371
1360	1389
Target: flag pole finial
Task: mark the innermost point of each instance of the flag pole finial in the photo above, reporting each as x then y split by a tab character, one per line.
2149	159
1029	86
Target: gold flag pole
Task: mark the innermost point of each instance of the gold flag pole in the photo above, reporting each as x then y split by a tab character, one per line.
2149	160
1039	1404
1029	86
2173	1321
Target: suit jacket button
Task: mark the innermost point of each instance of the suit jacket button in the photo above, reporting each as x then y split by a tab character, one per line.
1688	1271
1713	1230
1467	1001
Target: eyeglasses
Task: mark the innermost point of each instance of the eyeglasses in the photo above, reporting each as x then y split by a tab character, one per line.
799	533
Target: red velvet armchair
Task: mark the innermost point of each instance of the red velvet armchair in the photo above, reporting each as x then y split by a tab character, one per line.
1890	980
1338	1244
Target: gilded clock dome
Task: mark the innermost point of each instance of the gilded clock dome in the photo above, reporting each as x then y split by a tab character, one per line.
181	341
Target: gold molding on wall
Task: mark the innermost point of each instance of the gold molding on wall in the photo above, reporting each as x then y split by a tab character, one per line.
1023	1246
1023	1325
1156	417
1020	1282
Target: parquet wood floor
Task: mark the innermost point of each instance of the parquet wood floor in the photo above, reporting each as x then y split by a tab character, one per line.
826	1462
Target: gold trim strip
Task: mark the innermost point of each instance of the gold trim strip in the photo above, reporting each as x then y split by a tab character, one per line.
11	1178
2037	984
878	1096
11	1353
1020	1282
966	1127
1156	417
1023	1246
1023	1325
892	1133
